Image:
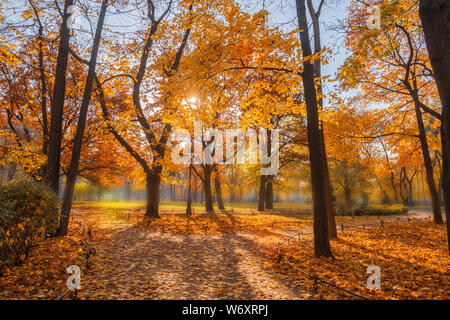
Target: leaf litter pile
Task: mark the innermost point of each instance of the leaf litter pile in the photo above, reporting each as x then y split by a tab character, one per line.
233	256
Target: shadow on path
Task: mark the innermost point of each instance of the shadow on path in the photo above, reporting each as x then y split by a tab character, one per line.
135	263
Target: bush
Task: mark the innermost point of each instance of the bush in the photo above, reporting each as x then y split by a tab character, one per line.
28	212
380	210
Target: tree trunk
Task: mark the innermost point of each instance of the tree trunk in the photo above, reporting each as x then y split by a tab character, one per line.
172	192
202	193
195	195
57	105
43	84
269	193
410	193
348	198
208	192
219	194
78	141
428	168
435	18
12	167
153	183
189	194
403	189
394	187
262	192
329	191
385	197
319	192
128	185
318	74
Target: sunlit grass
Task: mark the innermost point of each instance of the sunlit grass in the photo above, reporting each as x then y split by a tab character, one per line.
181	206
392	207
198	207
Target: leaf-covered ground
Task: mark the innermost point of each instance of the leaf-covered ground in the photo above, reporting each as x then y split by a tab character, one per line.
412	257
233	256
43	275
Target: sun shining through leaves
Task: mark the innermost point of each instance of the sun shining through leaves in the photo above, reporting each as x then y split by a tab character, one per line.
224	149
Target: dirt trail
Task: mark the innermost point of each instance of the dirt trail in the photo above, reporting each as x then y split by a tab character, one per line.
134	263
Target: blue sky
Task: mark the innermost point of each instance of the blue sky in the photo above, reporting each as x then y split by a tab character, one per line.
283	13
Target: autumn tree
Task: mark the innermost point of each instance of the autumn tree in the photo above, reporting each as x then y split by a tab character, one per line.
27	82
315	15
152	168
77	144
391	64
316	155
434	16
57	102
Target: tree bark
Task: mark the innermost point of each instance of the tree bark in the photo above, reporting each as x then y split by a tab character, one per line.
438	158
189	195
332	231
57	105
195	195
43	83
319	189
173	192
207	189
269	193
262	193
402	186
218	194
348	198
78	141
435	18
12	167
153	183
394	188
410	193
437	216
318	74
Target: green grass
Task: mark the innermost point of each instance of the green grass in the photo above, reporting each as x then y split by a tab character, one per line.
388	207
373	210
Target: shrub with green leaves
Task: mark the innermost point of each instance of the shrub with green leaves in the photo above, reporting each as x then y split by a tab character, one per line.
28	212
375	210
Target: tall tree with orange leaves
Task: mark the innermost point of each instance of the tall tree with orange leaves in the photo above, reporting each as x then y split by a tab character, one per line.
390	64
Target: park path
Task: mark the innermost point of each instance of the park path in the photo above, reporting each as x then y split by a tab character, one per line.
134	263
